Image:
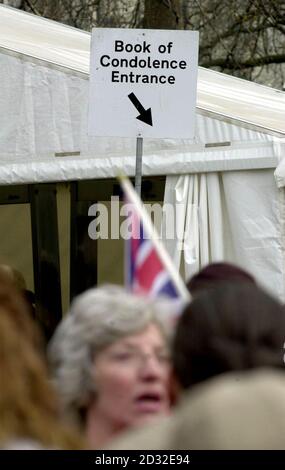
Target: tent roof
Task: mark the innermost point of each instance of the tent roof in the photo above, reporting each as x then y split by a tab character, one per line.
219	95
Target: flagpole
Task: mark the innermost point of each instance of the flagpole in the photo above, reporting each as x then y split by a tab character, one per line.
152	233
138	176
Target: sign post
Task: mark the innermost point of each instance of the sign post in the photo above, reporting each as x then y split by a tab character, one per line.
138	175
143	84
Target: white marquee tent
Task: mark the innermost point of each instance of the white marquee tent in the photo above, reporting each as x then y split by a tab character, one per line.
222	182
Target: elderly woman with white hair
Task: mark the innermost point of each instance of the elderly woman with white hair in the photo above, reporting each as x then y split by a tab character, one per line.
110	362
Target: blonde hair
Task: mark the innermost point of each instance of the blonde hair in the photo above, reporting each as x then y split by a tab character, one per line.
28	404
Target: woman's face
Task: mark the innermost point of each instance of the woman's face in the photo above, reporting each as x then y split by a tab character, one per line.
132	379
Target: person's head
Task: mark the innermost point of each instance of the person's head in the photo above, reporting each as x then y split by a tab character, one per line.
13	301
28	404
212	275
110	353
10	275
231	328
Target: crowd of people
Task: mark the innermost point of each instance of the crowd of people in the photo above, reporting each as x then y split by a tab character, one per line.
128	372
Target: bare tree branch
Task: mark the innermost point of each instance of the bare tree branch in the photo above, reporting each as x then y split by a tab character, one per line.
245	38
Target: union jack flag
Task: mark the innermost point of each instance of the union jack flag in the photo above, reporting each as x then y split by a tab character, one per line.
149	269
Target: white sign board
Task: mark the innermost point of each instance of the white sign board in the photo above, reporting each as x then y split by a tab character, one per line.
143	83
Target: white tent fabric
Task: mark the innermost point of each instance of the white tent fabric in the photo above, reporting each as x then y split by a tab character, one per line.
45	114
280	170
219	217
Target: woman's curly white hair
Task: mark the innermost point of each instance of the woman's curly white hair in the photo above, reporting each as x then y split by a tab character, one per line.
97	318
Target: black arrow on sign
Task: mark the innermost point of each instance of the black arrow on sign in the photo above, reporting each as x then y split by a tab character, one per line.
145	114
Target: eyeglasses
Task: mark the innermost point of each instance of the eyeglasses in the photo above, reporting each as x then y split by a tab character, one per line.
137	357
